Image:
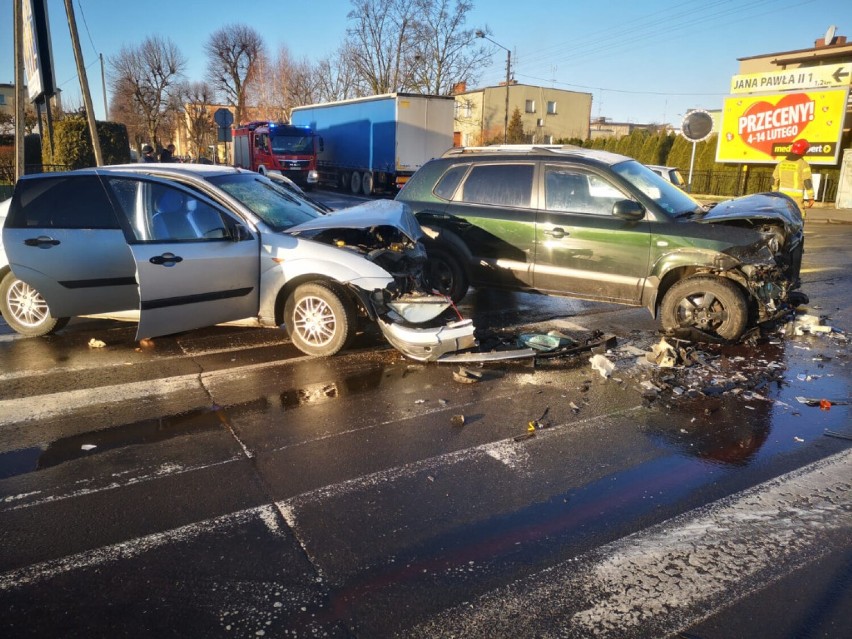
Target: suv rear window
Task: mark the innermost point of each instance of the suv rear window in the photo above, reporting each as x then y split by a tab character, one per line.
68	202
448	183
499	184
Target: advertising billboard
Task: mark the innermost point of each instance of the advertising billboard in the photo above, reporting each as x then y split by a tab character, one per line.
759	129
38	55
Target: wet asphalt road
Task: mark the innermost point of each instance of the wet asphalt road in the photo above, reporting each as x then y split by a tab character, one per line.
222	484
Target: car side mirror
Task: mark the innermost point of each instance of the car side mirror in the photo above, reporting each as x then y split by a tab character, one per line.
240	233
628	210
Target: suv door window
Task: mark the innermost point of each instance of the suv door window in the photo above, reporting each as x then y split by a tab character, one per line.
568	189
449	182
499	184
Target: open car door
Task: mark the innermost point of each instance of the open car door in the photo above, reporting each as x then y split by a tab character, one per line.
196	264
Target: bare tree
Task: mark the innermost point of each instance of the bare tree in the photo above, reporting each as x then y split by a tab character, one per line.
337	79
197	98
124	108
445	53
285	83
232	54
147	75
380	42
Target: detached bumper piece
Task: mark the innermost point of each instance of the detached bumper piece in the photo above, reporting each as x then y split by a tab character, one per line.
428	344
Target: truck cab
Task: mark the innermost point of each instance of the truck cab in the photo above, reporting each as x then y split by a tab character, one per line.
276	147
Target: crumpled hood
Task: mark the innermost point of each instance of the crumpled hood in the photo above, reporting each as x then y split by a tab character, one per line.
761	206
364	216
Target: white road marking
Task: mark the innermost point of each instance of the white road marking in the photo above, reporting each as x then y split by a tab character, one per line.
668	577
132	547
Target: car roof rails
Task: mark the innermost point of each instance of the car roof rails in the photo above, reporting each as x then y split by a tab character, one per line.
514	148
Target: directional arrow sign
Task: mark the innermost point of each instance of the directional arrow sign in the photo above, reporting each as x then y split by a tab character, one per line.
803	78
839	75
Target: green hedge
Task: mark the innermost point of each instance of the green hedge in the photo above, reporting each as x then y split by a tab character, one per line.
73	146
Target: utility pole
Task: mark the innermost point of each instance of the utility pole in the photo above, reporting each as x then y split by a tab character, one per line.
481	34
19	88
103	86
84	83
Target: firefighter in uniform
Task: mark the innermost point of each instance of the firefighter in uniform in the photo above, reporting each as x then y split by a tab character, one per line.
792	176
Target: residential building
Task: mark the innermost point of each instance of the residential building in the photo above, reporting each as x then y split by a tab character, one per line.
547	114
7	99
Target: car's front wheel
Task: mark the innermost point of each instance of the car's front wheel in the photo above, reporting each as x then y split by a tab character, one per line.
710	304
320	319
445	274
25	310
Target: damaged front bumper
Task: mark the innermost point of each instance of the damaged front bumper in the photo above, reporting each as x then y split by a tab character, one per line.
428	344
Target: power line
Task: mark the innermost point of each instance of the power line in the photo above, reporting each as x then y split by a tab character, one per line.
86	24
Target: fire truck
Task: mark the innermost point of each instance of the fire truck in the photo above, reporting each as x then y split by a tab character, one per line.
277	147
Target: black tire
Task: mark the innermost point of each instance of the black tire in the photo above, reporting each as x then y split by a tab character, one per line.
25	310
710	304
367	183
355	183
319	319
445	274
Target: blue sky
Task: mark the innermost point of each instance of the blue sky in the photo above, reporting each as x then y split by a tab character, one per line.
642	60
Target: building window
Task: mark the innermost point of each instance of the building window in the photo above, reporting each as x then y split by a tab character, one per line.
551	107
463	109
2	99
530	108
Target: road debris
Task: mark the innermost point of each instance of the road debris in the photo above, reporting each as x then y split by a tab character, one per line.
88	447
602	365
467	376
457	420
815	401
96	343
834	433
546	342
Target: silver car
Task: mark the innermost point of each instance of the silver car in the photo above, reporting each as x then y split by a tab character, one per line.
195	245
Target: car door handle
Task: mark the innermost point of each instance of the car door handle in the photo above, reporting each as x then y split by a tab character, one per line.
557	233
42	241
166	259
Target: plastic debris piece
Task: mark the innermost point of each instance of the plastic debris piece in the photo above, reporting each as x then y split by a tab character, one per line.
96	343
419	401
824	404
602	365
88	447
798	439
457	420
815	401
663	354
802	377
539	341
467	376
574	407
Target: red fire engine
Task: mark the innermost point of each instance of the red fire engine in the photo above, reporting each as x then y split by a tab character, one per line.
277	147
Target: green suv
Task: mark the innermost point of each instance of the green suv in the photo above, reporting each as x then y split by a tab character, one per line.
599	226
